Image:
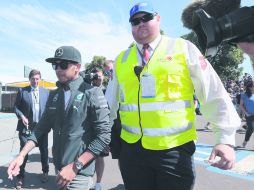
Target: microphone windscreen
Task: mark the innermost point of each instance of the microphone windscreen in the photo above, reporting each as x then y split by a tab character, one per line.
188	14
215	8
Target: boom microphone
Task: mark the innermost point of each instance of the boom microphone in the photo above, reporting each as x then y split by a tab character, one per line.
188	14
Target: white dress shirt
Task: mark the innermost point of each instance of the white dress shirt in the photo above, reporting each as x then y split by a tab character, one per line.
36	103
217	107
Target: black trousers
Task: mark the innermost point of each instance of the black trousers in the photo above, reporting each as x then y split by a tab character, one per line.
115	143
43	147
171	169
250	127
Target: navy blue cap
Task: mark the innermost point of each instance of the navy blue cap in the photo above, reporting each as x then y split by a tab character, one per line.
143	7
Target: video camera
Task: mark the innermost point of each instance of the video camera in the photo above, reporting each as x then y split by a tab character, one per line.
234	27
89	77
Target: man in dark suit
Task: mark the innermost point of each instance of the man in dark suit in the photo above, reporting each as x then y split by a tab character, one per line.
29	106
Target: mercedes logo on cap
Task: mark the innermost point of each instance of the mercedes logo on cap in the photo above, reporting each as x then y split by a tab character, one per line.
59	52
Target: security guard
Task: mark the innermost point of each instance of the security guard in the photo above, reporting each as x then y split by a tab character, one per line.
154	83
78	114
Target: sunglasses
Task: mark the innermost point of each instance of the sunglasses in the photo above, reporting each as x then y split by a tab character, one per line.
108	72
144	19
62	64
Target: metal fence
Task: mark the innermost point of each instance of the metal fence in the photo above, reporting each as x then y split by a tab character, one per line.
8	101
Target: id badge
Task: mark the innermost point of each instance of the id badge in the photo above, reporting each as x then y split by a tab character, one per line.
148	86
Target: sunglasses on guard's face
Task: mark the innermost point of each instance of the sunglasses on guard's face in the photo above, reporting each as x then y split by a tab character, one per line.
62	64
144	19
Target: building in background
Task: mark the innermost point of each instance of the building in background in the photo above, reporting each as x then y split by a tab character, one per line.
9	86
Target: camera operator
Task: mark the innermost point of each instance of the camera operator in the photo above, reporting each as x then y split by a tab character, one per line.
98	77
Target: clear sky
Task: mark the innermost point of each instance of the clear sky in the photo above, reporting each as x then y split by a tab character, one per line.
31	30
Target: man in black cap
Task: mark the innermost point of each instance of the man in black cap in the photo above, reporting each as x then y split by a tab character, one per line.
78	114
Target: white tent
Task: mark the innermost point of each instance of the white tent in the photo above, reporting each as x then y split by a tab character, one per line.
5	79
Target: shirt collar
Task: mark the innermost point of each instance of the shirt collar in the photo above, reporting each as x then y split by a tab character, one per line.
34	88
72	85
152	45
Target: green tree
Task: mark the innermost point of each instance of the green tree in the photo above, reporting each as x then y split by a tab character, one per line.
162	32
192	37
98	61
226	61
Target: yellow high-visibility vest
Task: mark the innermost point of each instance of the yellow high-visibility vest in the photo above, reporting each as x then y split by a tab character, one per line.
166	120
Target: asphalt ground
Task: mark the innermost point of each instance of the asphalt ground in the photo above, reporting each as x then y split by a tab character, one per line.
207	177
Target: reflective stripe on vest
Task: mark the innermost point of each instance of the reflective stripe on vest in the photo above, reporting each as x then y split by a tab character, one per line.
157	106
158	131
125	55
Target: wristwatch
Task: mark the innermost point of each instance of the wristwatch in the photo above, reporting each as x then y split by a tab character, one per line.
79	165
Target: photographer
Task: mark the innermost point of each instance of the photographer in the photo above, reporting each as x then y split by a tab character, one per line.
98	78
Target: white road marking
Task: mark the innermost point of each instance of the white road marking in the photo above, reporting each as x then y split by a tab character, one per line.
245	166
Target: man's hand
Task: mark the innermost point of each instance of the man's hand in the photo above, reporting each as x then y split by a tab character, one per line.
14	167
66	175
227	155
24	120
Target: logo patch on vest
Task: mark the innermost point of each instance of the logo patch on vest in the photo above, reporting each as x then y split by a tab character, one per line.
202	62
55	98
166	59
79	96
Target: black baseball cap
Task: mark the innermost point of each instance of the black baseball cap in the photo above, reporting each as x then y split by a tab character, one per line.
66	53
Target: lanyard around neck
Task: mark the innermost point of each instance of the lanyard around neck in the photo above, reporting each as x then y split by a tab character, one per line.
144	62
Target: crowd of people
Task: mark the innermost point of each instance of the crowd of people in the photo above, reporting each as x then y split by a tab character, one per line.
150	92
236	90
241	93
237	87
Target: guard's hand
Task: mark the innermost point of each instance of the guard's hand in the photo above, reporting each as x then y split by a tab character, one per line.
227	155
66	175
14	167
